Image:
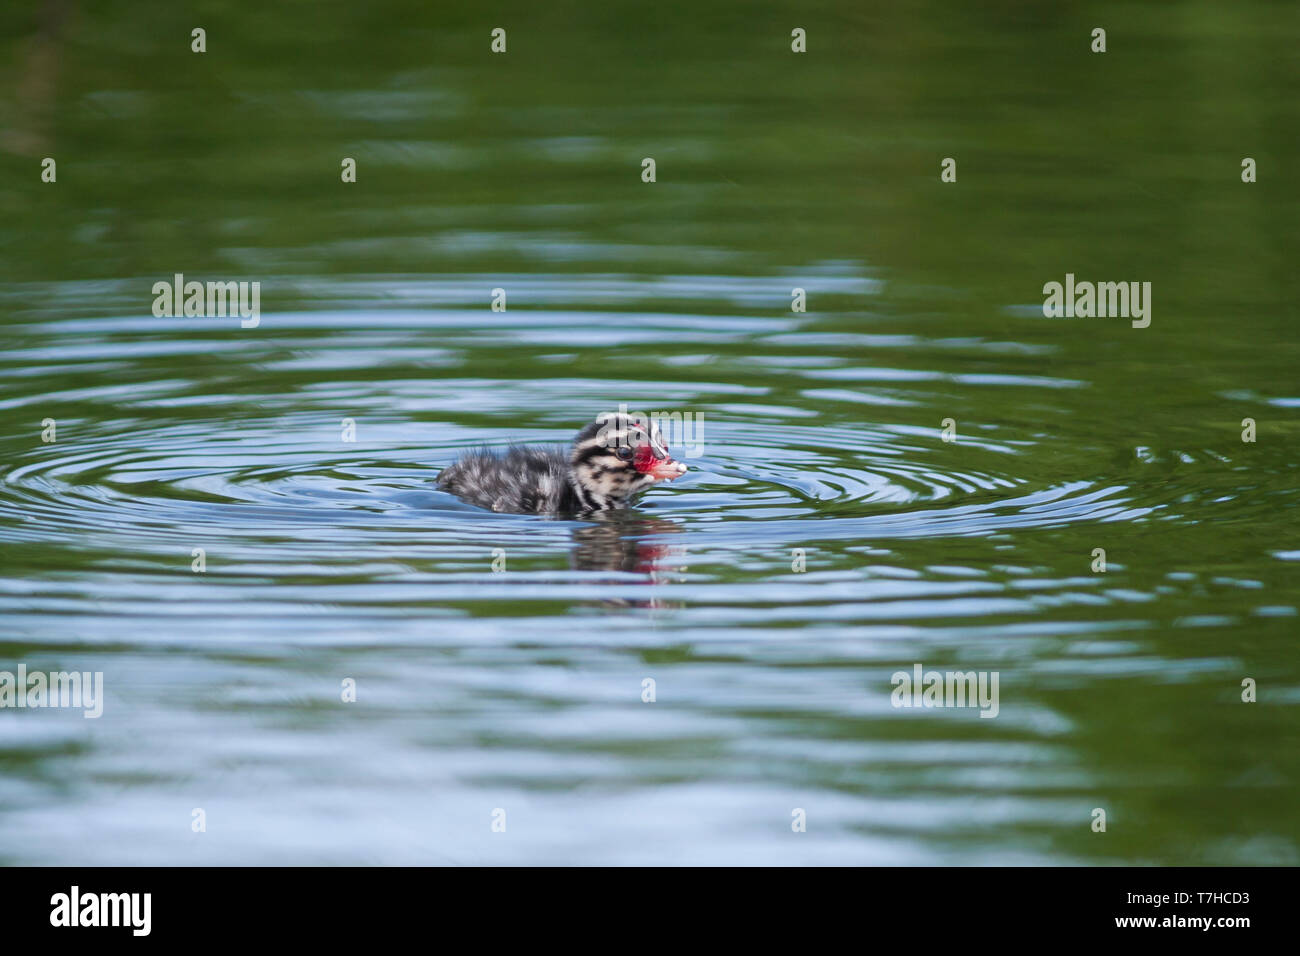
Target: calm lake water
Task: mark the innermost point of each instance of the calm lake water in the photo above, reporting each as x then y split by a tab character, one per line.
329	560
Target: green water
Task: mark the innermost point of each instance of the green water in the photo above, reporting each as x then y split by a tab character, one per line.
522	690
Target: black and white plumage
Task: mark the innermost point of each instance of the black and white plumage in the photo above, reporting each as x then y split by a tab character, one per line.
610	462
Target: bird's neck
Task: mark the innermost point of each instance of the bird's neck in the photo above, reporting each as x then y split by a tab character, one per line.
587	499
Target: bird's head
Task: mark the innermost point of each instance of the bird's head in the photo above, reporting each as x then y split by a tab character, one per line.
618	456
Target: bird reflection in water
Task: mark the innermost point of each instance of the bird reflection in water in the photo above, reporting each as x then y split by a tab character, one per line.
632	543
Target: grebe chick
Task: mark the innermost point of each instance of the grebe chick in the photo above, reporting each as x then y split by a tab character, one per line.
610	462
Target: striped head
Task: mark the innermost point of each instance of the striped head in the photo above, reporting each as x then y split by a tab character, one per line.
617	457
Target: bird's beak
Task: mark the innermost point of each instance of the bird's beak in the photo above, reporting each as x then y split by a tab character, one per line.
666	470
652	458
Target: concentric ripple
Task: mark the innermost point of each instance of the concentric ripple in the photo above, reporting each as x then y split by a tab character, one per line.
146	456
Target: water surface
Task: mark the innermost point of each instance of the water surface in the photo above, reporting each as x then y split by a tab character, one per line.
329	559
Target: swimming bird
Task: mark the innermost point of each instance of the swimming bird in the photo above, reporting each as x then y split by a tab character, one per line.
610	462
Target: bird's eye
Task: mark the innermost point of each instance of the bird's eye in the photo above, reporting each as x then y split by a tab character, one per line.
624	452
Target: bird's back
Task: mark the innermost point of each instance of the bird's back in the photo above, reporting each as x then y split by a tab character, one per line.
522	480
